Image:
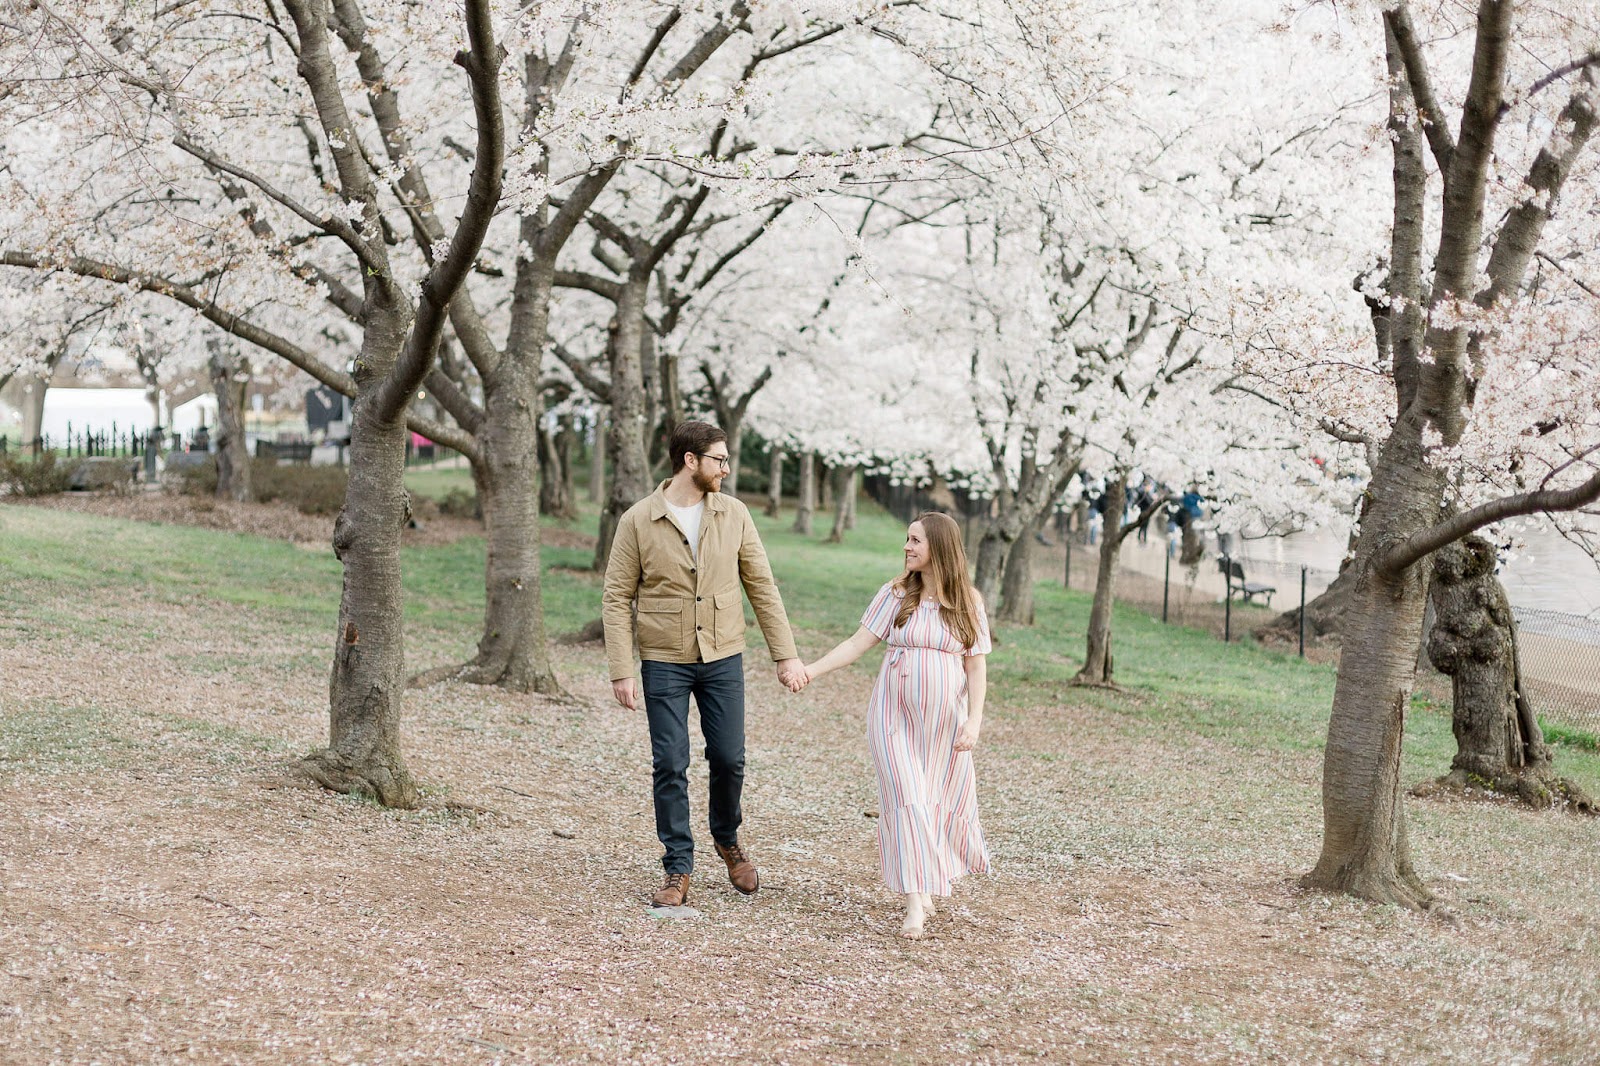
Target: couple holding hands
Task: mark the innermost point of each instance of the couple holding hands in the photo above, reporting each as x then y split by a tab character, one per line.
678	562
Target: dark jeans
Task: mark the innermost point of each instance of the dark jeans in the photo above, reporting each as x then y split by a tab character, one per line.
718	690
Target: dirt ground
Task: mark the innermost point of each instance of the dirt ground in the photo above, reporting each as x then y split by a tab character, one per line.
164	897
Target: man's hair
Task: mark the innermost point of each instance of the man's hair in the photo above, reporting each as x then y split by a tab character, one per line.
692	437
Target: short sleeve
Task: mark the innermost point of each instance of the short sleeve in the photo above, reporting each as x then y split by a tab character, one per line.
983	645
880	613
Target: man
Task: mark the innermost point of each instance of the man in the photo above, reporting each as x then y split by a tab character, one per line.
682	554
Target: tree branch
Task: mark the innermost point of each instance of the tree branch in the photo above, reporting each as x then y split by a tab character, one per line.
335	227
232	323
445	278
1416	70
598	388
1419	545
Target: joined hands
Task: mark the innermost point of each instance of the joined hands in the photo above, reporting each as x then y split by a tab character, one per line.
793	674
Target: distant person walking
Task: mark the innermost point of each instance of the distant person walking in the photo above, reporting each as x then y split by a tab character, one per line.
681	555
924	716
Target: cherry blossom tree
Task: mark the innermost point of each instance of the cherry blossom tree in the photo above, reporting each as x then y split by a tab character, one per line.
237	165
1480	408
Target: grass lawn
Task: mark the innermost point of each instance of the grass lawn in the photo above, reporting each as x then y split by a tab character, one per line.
164	895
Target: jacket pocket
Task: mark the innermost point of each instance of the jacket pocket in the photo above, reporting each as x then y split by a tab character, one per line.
728	625
661	625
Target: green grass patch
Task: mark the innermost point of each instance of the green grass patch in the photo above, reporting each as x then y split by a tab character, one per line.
1571	738
68	572
435	482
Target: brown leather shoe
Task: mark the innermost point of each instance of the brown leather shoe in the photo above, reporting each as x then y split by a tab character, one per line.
674	891
741	871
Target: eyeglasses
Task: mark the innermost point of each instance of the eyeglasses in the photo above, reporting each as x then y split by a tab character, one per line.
721	459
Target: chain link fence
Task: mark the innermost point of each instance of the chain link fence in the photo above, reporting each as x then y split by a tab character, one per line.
1560	651
1561	666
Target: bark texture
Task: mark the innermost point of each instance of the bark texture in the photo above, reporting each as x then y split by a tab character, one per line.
1499	745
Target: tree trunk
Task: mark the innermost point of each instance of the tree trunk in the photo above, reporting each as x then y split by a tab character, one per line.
1365	850
368	680
1499	745
850	499
630	481
555	468
734	428
844	490
597	457
1193	545
229	381
1016	603
989	566
775	482
1097	660
807	502
33	392
512	652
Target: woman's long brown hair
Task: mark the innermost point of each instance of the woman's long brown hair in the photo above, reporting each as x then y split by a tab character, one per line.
946	574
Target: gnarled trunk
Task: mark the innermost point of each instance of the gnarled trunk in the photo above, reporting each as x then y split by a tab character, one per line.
1499	744
1098	663
807	503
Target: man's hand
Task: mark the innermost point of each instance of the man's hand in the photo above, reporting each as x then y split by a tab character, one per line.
625	693
792	672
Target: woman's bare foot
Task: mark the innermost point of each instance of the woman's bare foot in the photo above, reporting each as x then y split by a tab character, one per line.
911	928
928	909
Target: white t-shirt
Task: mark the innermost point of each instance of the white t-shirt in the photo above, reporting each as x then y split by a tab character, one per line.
689	521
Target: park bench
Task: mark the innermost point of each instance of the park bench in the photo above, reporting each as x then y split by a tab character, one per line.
1233	571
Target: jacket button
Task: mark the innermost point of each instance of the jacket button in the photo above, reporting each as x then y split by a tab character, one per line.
691	569
699	627
697	599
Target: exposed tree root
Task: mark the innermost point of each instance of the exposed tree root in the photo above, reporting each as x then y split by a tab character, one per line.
1541	789
500	675
1083	680
592	630
385	782
1373	885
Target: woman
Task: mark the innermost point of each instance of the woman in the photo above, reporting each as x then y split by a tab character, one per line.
925	716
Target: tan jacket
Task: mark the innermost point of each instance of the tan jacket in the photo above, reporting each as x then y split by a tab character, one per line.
687	612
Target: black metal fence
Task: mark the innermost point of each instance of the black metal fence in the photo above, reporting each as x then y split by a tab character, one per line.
131	443
90	442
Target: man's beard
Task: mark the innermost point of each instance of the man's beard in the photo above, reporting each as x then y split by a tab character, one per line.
704	482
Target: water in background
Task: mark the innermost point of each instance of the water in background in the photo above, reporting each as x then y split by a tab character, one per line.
1550	573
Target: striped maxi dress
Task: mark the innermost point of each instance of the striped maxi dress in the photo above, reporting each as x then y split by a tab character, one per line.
928	831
